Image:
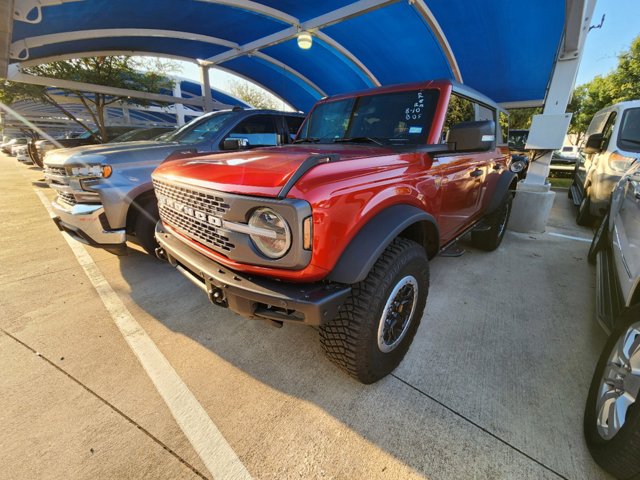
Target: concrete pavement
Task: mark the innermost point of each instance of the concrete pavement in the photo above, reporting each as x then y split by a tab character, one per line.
493	386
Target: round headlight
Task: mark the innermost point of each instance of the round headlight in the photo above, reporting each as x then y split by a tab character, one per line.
517	166
270	232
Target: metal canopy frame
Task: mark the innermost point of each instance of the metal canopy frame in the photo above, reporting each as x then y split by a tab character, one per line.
35	12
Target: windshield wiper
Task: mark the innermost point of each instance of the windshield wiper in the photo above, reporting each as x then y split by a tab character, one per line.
630	140
358	140
306	140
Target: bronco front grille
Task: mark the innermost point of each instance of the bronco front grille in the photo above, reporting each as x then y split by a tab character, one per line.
200	231
67	198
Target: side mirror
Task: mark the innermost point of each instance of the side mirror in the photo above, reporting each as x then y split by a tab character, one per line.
593	144
234	143
472	136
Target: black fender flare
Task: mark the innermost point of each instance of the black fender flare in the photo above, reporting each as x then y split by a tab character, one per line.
368	244
502	190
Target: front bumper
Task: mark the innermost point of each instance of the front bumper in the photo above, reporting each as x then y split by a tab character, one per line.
251	296
84	222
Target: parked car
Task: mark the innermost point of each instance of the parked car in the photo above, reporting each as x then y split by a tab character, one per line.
612	144
520	157
612	413
336	231
567	154
105	194
11	145
41	147
22	155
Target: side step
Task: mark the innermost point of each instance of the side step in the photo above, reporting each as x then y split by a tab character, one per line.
609	301
576	195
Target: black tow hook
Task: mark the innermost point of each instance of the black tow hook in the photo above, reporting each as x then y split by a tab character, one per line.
161	254
217	296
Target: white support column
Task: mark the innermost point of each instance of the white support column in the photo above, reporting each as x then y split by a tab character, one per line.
126	115
206	88
534	198
177	92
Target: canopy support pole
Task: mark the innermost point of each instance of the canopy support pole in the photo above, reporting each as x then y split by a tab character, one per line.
205	85
534	198
177	92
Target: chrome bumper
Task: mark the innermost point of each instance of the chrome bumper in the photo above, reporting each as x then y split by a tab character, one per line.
86	223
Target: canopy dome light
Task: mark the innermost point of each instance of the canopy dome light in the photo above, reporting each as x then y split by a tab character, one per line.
305	40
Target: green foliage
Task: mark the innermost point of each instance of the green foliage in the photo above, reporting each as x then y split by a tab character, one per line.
520	118
253	96
115	71
618	86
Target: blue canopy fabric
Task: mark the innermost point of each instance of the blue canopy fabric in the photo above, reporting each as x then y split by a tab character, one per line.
504	49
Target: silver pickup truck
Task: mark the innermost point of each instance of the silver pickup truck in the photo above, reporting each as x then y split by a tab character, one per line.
612	413
105	195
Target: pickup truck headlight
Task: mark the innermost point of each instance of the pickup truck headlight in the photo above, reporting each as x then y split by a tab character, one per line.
103	171
270	232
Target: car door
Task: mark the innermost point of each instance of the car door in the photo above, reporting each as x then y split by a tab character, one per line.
625	212
464	175
585	161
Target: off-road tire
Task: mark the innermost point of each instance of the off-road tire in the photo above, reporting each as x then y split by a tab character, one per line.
145	225
584	217
599	240
619	455
351	339
497	221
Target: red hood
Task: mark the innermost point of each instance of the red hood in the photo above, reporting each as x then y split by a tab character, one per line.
260	172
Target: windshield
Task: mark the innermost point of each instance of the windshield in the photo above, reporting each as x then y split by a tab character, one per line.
87	134
629	136
518	139
141	134
396	118
200	129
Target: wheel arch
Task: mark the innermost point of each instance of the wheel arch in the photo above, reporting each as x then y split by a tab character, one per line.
406	221
135	207
506	185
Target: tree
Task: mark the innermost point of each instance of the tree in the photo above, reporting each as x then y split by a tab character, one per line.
520	118
618	86
114	71
253	96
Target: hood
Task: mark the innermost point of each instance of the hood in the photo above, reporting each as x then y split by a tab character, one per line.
260	172
112	154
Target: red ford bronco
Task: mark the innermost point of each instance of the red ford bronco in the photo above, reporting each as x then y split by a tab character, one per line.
336	230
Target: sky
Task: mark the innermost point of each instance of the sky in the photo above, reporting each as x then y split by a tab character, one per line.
621	25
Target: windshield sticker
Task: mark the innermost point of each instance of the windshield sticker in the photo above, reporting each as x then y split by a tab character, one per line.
415	129
415	111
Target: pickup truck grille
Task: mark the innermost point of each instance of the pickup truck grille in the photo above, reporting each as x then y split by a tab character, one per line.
56	171
199	230
67	198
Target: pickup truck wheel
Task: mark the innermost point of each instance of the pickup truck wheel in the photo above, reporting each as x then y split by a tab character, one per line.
584	217
599	240
491	238
612	413
145	225
375	326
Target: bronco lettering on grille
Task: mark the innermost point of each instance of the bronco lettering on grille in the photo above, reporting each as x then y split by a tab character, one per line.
187	210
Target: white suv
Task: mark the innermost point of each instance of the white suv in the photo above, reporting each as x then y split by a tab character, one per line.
612	144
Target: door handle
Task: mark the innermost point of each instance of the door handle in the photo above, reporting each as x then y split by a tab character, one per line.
476	173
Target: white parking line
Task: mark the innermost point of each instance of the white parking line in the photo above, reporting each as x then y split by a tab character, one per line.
217	455
570	237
